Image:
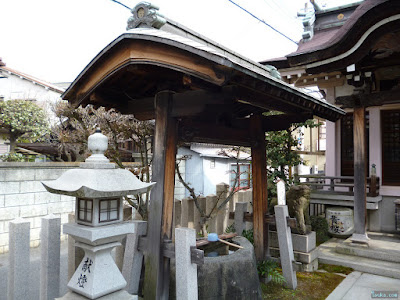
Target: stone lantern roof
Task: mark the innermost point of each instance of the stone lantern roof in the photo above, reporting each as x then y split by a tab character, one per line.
97	177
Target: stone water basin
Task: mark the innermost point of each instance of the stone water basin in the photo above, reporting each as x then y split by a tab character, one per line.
232	276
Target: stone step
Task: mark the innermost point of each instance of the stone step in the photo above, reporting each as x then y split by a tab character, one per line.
328	255
384	247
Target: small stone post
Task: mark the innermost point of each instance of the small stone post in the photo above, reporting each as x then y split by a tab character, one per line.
240	210
50	257
190	212
18	271
232	205
177	213
133	258
223	213
285	245
186	272
248	197
197	216
281	191
185	212
211	201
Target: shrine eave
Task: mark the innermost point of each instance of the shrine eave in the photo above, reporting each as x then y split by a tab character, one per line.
337	47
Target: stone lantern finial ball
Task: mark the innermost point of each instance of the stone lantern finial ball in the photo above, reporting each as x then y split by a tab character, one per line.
98	142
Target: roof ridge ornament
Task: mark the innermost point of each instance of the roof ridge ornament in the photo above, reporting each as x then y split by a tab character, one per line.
145	15
308	19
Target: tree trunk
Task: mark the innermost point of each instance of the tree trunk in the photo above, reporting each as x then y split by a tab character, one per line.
13	142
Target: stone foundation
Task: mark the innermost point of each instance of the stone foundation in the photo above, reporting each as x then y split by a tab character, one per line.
304	249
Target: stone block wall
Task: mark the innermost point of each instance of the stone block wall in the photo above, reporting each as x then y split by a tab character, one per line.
186	213
23	195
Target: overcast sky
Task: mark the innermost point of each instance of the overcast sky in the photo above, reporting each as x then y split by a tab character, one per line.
55	39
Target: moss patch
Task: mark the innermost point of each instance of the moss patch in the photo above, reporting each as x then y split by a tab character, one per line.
335	269
310	286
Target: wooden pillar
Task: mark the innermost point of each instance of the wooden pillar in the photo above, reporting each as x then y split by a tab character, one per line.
156	284
260	194
360	179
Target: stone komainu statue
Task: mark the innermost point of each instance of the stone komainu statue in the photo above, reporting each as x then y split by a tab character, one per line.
298	200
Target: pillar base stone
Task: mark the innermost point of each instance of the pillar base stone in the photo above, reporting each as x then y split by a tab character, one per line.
360	238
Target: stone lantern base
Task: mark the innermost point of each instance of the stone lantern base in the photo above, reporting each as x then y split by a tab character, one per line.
119	295
97	276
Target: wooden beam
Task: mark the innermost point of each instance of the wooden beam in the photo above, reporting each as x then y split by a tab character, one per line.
284	121
156	283
142	109
186	104
192	103
274	122
237	133
260	194
207	132
267	101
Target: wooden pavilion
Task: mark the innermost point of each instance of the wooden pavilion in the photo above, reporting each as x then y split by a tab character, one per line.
196	90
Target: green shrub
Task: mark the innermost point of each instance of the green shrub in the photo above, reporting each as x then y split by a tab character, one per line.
16	157
269	268
230	228
320	226
248	234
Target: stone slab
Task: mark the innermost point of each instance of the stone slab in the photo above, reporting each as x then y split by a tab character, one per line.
19	199
380	246
362	286
285	246
342	289
19	175
119	295
301	243
328	255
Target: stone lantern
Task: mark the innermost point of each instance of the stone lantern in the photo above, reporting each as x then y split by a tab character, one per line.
98	187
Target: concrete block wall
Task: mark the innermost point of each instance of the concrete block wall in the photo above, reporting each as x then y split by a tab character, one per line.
23	195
